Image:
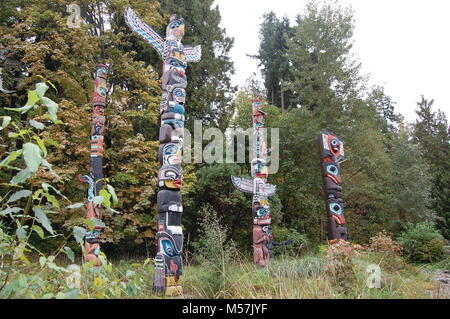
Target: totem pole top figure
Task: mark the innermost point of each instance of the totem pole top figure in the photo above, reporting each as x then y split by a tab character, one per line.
174	33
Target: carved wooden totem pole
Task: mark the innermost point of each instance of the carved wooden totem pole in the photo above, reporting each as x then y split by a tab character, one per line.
331	155
168	261
95	176
261	190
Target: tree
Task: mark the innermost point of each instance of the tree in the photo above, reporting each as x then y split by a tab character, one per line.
432	134
273	60
323	70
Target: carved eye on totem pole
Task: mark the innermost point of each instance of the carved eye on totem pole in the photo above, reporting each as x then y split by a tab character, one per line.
170	154
335	144
332	171
335	207
167	247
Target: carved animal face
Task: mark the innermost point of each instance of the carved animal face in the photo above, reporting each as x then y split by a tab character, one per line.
170	177
175	29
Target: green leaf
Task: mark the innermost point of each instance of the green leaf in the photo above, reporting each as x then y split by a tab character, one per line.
32	156
52	199
113	194
5	122
21	176
22	110
49	167
46	186
107	198
52	107
70	254
42	219
39	231
21	133
21	233
36	124
41	88
10	210
53	142
78	233
42	261
74	206
12	157
18	195
98	200
33	98
90	224
41	144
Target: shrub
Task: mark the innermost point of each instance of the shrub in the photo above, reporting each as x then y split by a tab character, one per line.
423	243
300	242
213	253
383	243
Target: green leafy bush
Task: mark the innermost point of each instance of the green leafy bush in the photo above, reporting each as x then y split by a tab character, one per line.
423	243
300	243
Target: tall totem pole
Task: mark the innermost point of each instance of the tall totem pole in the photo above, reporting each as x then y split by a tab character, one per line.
95	176
331	155
168	261
261	190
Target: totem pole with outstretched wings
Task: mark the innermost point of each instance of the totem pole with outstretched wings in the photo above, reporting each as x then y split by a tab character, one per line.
168	261
261	190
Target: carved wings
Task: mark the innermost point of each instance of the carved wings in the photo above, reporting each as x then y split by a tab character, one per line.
269	190
144	30
242	184
246	186
193	54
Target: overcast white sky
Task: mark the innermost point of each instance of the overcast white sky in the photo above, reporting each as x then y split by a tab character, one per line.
403	44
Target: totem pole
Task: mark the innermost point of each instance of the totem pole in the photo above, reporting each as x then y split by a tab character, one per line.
262	229
331	155
168	260
95	177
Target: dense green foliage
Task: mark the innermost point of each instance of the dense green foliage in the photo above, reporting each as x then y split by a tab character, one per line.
423	243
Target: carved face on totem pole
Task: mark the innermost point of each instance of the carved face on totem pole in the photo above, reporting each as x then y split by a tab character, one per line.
170	154
170	177
261	215
169	249
331	146
175	29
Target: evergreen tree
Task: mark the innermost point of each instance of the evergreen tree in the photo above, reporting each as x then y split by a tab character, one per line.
431	132
273	60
